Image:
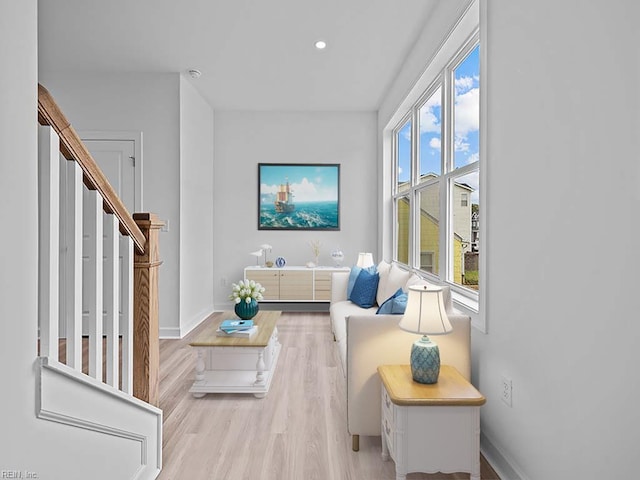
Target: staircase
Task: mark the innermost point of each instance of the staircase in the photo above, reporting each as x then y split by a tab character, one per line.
88	244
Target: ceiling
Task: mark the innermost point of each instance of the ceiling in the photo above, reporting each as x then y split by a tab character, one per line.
253	55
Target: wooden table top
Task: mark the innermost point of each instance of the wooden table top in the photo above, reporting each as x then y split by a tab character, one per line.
265	320
451	389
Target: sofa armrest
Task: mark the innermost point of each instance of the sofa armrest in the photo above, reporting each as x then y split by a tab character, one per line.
374	340
339	284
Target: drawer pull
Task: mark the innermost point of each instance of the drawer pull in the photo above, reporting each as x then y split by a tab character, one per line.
386	427
387	402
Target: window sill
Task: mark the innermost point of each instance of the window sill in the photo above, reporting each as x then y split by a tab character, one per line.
469	306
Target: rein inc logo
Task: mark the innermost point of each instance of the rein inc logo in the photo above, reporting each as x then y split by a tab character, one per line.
17	474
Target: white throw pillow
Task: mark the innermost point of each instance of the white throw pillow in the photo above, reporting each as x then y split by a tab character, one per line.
383	272
397	279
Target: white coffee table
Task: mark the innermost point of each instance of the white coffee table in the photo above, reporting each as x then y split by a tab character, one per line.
237	365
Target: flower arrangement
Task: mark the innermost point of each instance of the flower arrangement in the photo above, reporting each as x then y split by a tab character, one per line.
245	290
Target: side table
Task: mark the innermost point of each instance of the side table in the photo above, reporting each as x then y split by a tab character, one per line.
430	428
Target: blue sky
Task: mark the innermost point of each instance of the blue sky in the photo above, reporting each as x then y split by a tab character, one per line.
466	125
308	182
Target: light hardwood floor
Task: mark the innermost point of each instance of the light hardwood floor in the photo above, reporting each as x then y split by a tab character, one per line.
297	432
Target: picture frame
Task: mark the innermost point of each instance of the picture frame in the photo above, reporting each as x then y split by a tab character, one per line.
299	196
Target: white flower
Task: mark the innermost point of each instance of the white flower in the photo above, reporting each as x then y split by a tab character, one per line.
246	291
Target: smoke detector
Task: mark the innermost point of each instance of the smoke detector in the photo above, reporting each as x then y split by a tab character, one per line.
194	73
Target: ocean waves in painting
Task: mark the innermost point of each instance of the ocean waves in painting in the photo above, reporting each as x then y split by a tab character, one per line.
312	215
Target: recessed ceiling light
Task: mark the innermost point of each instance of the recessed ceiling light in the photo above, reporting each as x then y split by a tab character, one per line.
321	44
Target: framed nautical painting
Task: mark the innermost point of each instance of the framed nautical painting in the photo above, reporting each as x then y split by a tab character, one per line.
298	196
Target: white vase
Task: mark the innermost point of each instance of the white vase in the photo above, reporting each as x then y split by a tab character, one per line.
338	257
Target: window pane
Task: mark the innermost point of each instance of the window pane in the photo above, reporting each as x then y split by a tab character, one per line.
466	110
403	155
429	228
402	230
466	219
430	137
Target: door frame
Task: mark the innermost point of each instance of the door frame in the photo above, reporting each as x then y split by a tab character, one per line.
136	138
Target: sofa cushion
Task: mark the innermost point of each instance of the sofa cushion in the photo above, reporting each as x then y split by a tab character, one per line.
339	311
364	289
353	275
397	278
395	305
383	271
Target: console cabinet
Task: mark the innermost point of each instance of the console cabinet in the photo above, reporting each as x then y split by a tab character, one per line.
294	284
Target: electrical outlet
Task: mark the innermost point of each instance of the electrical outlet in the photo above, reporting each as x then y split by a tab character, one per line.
506	390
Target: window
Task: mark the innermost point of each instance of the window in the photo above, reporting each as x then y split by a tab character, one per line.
426	261
436	180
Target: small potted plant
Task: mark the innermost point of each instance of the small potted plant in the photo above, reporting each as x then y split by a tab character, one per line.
246	294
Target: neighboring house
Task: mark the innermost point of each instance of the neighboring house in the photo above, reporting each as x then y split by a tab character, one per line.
429	227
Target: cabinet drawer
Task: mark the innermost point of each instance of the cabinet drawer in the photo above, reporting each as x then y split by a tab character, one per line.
322	285
388	435
387	406
388	421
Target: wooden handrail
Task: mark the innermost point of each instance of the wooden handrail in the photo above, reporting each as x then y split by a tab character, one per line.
73	149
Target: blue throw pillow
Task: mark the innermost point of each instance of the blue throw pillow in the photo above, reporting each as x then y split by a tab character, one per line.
353	275
365	289
399	304
395	304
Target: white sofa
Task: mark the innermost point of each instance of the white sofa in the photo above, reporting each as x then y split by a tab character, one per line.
366	340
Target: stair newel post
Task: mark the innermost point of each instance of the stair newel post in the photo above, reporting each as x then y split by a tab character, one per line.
146	351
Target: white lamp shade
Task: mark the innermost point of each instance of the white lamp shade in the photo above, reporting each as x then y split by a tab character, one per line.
365	260
425	313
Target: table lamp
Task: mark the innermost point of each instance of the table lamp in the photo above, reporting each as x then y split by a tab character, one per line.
364	260
425	314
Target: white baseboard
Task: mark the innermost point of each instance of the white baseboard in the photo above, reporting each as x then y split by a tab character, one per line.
499	461
183	330
169	332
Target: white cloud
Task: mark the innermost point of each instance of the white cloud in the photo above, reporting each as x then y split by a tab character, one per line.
461	144
464	84
435	143
268	189
474	157
429	121
467	112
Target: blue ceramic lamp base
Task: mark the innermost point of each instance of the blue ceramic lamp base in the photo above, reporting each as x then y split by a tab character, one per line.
425	361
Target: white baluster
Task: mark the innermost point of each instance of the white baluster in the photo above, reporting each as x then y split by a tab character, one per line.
126	309
49	251
92	283
111	293
71	268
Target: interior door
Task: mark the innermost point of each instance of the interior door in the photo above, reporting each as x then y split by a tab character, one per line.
116	158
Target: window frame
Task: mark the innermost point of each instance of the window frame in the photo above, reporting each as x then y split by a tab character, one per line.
445	79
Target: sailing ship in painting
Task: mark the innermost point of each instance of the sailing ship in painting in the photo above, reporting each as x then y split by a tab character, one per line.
284	199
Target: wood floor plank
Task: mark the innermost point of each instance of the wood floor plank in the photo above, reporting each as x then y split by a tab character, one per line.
298	431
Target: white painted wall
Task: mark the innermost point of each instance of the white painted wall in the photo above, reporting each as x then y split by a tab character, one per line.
19	214
142	102
47	449
196	207
563	176
244	139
